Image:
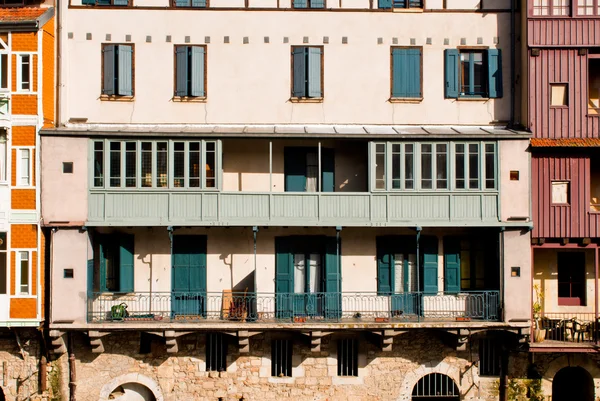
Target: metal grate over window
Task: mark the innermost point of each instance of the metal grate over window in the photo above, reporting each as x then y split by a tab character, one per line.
489	357
347	357
435	385
216	352
281	358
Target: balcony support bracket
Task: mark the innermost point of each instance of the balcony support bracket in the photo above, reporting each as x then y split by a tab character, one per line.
385	338
171	340
96	340
460	338
58	341
315	339
244	340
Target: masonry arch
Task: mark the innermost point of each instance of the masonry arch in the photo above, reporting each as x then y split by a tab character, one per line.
435	387
131	387
413	377
570	360
573	383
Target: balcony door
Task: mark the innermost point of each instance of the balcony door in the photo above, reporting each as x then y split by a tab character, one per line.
301	169
189	276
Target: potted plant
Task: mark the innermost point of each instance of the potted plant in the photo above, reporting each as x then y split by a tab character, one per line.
539	334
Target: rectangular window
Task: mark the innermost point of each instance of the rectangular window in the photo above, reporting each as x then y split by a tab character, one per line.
3	263
473	166
476	255
105	2
309	3
145	164
24	73
117	70
552	7
594	85
571	278
490	354
587	7
559	95
396	169
216	352
473	73
190	70
307	72
408	3
347	357
3	155
426	167
24	275
490	166
459	163
114	256
4	71
190	3
301	169
406	73
380	166
560	192
409	166
24	167
281	358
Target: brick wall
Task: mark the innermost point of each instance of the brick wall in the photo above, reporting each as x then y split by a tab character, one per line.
48	83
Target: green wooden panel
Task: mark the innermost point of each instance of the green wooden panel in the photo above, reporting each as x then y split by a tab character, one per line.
299	88
126	263
429	264
494	59
385	273
333	273
451	264
189	274
327	170
452	59
294	169
284	277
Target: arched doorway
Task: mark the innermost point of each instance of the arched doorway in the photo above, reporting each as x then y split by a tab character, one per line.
436	387
132	392
573	383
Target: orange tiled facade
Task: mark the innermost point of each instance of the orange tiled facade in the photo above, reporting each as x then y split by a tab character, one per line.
27	104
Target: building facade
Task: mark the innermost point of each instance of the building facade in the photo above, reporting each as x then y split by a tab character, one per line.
27	60
561	109
274	199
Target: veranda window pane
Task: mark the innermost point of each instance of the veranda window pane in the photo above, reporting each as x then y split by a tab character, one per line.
380	166
426	167
147	164
161	164
98	164
396	176
441	159
194	165
490	166
115	164
130	164
210	165
473	166
409	166
179	164
459	161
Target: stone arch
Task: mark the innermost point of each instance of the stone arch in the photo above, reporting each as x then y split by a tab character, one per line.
412	378
570	360
134	378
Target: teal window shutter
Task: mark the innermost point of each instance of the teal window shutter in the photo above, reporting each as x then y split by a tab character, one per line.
384	266
197	259
126	269
452	265
181	61
182	3
300	3
102	251
385	4
299	70
88	2
406	73
294	169
125	72
327	170
317	4
314	72
494	60
90	276
199	3
284	277
198	71
430	264
188	275
452	58
333	287
120	2
108	60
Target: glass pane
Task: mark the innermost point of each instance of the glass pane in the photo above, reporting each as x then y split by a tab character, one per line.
161	164
441	160
147	164
380	166
426	167
409	166
465	73
396	176
490	166
25	72
399	273
299	274
3	154
98	164
473	166
459	161
179	164
194	167
130	164
540	7
115	164
25	167
3	285
24	284
312	171
478	74
4	71
211	181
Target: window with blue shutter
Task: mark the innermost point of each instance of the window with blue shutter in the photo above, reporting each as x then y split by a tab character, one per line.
309	3
117	70
126	262
301	167
406	73
473	73
451	60
190	69
408	3
429	264
307	71
190	3
105	2
115	263
452	265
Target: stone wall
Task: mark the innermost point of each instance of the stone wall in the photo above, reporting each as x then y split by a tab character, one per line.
183	376
19	375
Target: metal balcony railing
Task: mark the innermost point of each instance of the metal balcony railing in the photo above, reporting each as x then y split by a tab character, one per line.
336	307
569	327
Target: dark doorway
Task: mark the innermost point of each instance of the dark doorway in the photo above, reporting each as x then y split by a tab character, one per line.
2	394
436	387
572	384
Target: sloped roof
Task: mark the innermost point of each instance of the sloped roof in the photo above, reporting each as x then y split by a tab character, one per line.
34	16
565	143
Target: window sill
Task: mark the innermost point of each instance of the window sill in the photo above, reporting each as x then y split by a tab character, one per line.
405	99
559	107
472	99
116	98
560	205
189	99
407	10
306	99
593	112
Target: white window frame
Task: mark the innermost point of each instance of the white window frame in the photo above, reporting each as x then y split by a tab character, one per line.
5	50
19	74
7	253
4	156
18	257
20	166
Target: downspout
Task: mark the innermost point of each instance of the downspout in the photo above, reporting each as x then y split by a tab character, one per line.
58	59
502	271
255	232
72	371
338	267
51	270
418	267
170	230
513	63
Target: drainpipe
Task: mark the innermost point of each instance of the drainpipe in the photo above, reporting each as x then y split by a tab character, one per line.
254	232
502	267
418	265
513	64
170	231
338	229
72	371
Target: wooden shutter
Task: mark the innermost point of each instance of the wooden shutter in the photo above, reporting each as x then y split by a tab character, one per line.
317	4
108	60
385	3
294	169
182	3
126	269
300	3
452	265
452	58
198	71
125	74
384	266
102	245
284	277
332	281
494	60
314	72
121	2
406	73
189	263
299	71
429	264
88	2
90	276
199	3
181	79
327	170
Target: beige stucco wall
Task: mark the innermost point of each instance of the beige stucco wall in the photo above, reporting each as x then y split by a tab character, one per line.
546	276
514	195
64	196
250	83
517	290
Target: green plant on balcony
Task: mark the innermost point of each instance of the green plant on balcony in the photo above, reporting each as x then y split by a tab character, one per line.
539	333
